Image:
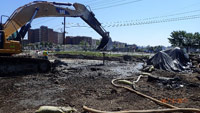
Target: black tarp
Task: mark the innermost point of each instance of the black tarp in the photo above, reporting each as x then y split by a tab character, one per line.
171	60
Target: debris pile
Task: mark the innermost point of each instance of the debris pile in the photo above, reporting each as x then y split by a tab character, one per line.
54	109
166	82
171	60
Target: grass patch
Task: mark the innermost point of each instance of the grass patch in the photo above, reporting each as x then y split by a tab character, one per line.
98	54
87	53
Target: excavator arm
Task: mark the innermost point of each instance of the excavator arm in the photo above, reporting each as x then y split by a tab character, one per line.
23	16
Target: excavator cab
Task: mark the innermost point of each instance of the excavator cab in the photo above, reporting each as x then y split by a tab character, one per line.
13	36
8	46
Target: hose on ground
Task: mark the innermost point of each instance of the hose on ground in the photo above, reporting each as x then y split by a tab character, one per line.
130	83
141	94
174	108
187	110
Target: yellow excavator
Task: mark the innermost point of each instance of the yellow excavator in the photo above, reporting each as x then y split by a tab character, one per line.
17	25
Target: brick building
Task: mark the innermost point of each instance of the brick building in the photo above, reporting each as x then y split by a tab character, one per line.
76	40
52	36
117	44
34	35
44	34
60	38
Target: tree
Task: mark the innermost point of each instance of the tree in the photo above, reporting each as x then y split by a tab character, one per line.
45	44
42	44
149	49
185	40
97	42
37	46
189	41
50	44
177	38
196	37
157	48
84	44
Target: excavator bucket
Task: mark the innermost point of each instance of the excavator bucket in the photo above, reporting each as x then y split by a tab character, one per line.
89	18
105	44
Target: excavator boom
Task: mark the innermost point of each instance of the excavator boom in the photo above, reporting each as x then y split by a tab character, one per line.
24	14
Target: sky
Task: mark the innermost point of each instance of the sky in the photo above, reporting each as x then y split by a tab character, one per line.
140	22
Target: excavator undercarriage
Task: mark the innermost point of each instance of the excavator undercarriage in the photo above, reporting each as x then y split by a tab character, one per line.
13	66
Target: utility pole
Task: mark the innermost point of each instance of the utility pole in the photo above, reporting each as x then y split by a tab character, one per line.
64	32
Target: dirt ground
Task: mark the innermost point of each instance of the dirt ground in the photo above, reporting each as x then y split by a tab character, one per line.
87	82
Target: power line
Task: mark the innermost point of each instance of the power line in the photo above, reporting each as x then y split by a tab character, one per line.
175	14
139	21
143	22
43	21
133	23
153	21
188	6
117	22
117	5
164	16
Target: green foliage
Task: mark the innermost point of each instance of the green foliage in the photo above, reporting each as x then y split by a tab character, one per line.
84	43
42	43
157	48
185	40
98	54
151	49
97	42
177	38
87	53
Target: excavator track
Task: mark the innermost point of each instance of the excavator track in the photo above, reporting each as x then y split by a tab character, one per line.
13	66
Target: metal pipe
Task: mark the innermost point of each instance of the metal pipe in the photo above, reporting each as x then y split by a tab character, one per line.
36	10
64	32
2	18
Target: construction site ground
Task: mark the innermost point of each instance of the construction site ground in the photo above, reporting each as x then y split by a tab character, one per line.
78	82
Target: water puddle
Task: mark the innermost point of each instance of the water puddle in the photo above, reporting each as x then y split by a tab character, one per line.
127	70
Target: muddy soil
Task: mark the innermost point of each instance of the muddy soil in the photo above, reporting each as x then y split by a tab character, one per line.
87	82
